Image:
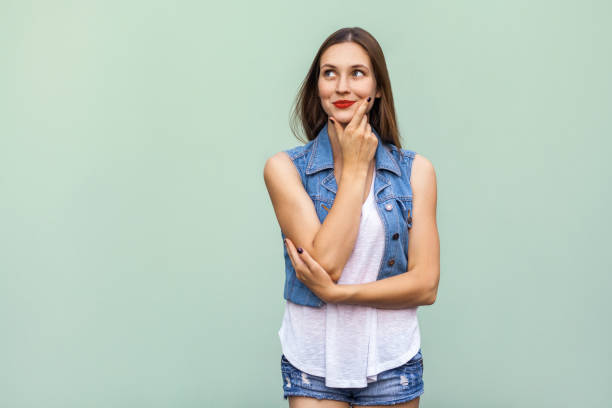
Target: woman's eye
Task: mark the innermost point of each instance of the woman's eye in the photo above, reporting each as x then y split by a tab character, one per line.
330	70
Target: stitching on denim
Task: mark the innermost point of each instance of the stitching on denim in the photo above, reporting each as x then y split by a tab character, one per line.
296	152
407	152
320	198
315	145
298	168
398	170
326	180
292	292
387	184
408	163
392	196
313	394
328	177
392	402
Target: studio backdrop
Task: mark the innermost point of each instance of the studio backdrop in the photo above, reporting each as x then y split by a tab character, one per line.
140	258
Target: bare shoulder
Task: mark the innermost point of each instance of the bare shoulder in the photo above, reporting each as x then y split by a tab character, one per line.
279	167
278	159
423	176
423	165
281	176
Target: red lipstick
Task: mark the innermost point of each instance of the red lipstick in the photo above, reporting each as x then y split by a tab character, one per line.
343	103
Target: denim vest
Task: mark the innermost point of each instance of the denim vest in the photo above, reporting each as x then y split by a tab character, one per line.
393	196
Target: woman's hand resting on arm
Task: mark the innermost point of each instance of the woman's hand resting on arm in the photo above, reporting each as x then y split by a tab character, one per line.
311	274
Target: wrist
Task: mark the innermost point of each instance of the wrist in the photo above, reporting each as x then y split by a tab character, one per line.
354	173
341	293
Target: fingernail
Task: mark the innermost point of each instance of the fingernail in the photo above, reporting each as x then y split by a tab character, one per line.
369	98
300	250
331	120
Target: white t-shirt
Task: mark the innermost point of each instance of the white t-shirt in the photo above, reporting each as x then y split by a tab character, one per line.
350	344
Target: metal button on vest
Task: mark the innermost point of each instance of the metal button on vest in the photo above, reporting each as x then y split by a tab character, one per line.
391	262
395	236
388	207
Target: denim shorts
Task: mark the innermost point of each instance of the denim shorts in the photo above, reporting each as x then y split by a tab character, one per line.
399	384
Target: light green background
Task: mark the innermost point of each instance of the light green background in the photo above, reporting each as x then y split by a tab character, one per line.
140	258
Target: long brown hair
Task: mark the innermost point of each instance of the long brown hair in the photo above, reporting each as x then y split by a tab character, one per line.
309	113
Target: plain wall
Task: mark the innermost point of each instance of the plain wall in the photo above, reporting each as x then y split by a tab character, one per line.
140	258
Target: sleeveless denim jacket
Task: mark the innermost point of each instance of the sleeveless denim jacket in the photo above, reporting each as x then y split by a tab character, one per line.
393	195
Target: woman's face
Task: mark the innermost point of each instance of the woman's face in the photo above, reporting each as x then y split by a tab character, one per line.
345	74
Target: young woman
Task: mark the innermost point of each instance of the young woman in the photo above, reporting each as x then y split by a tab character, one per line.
358	216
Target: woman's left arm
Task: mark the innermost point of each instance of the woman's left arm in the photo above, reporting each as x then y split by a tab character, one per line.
419	285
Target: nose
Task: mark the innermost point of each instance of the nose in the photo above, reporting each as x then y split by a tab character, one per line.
342	85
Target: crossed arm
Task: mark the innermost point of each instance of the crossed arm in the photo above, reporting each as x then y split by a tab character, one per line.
418	286
332	241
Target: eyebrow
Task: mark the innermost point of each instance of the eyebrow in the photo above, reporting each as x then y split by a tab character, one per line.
352	66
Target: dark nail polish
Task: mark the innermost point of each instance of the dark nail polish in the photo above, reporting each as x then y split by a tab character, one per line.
331	120
369	98
300	250
285	241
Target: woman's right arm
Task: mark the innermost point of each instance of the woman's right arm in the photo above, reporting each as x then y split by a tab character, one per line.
332	242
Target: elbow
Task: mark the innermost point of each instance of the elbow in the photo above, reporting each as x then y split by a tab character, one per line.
334	271
334	274
431	286
432	294
431	299
328	262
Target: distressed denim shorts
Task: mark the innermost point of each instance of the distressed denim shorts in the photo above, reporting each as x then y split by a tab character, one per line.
399	384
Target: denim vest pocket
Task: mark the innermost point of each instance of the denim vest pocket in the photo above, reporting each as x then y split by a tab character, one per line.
405	205
322	206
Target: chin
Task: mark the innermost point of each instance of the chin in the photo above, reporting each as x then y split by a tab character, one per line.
344	117
344	113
